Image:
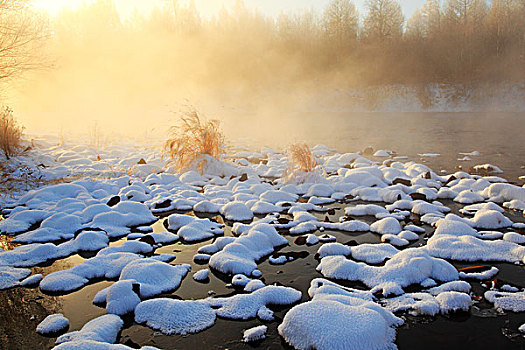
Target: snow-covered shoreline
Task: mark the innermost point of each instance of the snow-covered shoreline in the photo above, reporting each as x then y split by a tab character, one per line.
437	98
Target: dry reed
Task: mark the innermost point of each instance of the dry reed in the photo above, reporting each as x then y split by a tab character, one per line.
300	158
10	133
192	139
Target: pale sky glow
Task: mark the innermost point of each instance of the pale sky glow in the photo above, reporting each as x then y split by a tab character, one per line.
210	7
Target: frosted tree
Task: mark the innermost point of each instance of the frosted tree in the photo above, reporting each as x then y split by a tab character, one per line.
505	24
341	21
20	38
384	20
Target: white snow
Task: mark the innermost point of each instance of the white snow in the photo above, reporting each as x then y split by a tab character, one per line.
331	249
387	225
468	248
101	266
365	209
373	253
254	285
245	306
102	329
52	324
11	276
485	275
154	277
172	316
454	286
514	237
121	297
339	322
507	301
201	275
408	235
410	266
254	334
240	256
236	211
57	221
394	240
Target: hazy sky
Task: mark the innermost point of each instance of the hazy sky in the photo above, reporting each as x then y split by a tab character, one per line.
210	7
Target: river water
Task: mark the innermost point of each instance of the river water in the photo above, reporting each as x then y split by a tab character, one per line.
499	137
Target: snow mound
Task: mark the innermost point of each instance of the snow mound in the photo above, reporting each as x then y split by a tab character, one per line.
107	266
52	324
388	225
254	334
172	316
155	277
453	301
192	229
201	275
121	297
373	253
484	276
410	266
102	329
468	248
240	256
29	255
339	322
236	211
246	306
507	301
331	249
10	276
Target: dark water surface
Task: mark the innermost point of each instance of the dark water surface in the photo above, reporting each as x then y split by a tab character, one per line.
499	137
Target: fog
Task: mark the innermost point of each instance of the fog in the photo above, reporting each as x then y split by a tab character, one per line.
132	76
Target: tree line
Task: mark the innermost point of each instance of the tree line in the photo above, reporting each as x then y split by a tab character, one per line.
450	41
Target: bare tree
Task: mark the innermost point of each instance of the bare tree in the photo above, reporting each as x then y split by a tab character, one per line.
465	20
20	36
416	26
467	12
432	17
384	20
341	20
503	23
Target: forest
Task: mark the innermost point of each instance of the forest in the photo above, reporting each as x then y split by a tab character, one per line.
455	41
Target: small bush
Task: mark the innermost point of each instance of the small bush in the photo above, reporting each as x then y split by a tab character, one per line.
192	139
300	158
10	133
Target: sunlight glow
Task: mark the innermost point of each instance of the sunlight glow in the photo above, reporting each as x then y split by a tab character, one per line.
210	8
55	6
125	7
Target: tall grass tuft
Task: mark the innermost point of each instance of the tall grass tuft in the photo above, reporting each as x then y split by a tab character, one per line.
10	133
193	139
300	158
